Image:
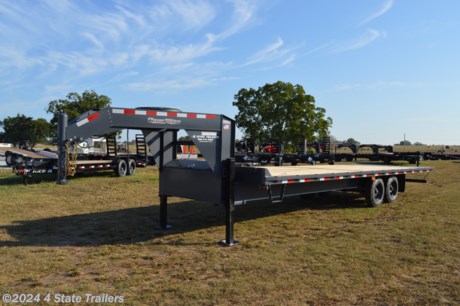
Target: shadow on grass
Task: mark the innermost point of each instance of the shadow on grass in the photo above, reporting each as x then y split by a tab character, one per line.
139	224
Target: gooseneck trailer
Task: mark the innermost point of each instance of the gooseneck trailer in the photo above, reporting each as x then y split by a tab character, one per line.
217	178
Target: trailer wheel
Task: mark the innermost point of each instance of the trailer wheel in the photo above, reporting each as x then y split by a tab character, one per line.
131	167
375	192
122	168
391	190
8	159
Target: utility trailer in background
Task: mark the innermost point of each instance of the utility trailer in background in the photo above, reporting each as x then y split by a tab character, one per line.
92	155
217	178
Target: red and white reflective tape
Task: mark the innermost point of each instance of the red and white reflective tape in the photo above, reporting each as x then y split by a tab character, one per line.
338	178
162	114
88	119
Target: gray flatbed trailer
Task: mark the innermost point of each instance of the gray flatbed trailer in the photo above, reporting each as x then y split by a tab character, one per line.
216	178
275	183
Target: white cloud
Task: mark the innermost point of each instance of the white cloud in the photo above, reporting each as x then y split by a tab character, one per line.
319	48
274	52
168	85
182	15
289	60
74	40
94	40
385	8
111	25
243	13
361	42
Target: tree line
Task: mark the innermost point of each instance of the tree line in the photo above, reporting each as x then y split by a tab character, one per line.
25	132
278	112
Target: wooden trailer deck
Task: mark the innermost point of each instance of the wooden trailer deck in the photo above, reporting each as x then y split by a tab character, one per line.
263	175
332	170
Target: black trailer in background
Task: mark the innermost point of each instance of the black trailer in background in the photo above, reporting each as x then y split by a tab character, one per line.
216	178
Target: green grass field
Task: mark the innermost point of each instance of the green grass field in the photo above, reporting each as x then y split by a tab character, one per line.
100	235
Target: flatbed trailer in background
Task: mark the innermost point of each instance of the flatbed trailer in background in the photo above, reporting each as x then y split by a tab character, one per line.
28	163
217	178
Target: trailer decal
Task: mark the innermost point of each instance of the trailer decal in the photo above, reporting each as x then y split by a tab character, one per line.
162	114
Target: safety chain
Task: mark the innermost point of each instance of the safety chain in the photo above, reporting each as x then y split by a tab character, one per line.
71	159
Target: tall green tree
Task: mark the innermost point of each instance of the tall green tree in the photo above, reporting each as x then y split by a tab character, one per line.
76	104
351	141
280	112
405	143
25	131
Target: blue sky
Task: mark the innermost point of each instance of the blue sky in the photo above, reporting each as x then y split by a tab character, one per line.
380	68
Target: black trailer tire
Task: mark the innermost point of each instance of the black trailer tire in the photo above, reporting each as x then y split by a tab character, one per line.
131	167
8	159
122	168
391	189
375	192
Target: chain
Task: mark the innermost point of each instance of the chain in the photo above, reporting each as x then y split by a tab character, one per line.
71	159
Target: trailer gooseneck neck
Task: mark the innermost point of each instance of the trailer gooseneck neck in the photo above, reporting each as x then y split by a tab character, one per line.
216	179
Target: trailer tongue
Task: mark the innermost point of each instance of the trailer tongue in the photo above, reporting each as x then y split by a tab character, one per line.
216	178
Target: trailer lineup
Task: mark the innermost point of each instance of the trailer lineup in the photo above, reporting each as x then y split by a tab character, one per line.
216	178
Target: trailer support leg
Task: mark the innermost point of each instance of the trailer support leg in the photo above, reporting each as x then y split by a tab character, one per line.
62	162
164	213
229	199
